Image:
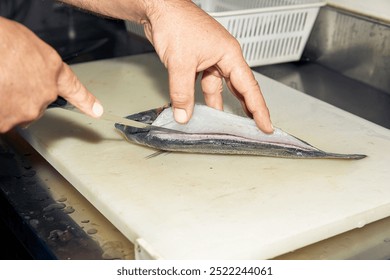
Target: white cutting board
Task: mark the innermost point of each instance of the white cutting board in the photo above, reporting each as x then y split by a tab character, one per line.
192	206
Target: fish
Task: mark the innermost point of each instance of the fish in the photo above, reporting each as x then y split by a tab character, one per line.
211	131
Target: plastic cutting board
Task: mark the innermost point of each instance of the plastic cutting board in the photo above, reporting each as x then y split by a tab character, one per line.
195	206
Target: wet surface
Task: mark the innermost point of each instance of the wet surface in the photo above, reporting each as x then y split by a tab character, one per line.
41	216
36	225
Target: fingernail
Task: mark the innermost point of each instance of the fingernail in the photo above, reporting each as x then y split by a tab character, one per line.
273	129
180	115
97	109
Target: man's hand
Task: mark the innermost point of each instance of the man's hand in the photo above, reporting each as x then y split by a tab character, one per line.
189	41
32	75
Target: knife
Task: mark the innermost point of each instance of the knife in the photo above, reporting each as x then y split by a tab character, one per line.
63	104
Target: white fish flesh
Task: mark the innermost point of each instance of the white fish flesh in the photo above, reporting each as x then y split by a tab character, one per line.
212	131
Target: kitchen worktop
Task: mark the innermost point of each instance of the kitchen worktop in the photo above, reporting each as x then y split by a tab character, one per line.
186	206
379	9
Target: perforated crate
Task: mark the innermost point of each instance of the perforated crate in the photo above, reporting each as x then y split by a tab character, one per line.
269	31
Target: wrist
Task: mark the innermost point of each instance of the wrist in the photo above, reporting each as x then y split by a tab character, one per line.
153	9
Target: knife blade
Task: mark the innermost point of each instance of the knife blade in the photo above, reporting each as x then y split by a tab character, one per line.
63	104
111	118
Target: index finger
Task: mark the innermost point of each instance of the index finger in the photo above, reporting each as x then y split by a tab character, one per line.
70	88
243	83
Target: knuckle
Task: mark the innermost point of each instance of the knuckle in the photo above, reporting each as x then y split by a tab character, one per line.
31	115
4	127
180	98
234	46
212	87
54	58
68	83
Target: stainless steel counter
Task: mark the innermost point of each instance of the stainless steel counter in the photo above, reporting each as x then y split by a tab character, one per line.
345	63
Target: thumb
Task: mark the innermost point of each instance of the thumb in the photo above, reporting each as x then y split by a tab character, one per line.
77	94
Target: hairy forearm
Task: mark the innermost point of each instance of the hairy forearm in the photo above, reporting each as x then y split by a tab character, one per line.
133	10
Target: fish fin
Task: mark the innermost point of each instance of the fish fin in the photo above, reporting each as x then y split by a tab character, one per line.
344	156
332	155
156	154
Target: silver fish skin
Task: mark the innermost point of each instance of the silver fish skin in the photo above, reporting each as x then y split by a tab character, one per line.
212	131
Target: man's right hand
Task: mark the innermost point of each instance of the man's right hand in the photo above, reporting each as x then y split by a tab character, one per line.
32	75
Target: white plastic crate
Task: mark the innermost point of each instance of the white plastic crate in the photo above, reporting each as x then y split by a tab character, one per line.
269	31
